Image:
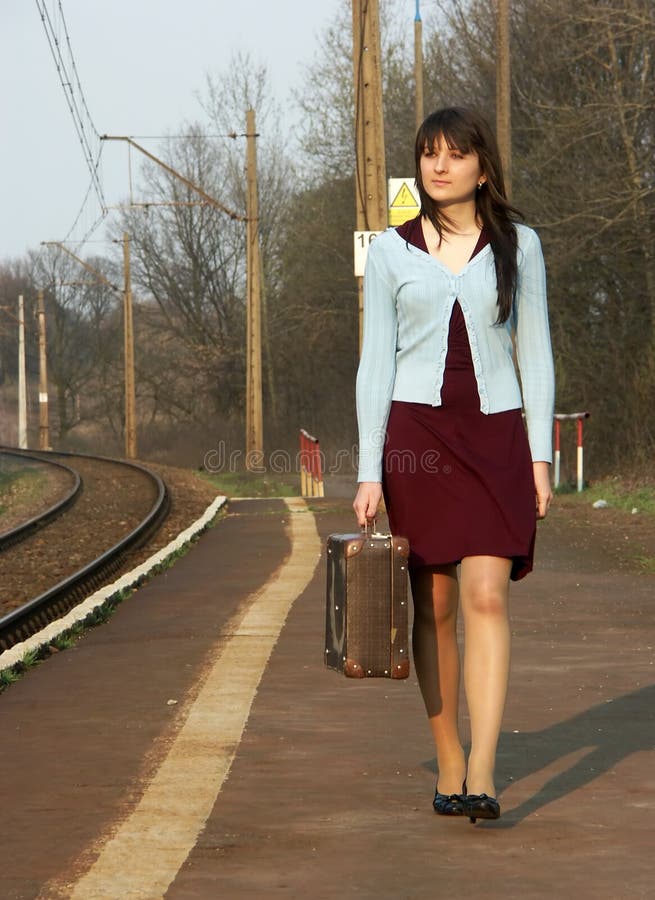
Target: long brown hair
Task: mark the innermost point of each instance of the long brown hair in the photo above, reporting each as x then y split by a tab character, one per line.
469	132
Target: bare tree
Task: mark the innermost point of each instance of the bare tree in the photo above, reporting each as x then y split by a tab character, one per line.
14	280
583	130
84	350
189	259
586	114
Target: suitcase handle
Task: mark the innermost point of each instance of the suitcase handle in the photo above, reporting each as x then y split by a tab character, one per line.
375	533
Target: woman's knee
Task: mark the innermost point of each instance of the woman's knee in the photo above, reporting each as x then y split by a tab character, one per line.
435	595
444	609
436	603
485	585
485	599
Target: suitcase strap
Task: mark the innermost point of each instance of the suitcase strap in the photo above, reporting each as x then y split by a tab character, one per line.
399	617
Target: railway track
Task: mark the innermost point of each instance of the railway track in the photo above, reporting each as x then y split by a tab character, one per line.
14	535
51	566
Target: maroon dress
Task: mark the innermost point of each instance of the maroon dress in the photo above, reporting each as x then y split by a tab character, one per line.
458	482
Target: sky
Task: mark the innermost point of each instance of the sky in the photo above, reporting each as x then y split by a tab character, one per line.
141	64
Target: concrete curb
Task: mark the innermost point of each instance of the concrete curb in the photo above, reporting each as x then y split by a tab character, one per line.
52	631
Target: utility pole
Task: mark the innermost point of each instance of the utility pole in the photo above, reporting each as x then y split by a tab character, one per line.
370	167
418	67
22	388
503	91
254	418
128	333
44	431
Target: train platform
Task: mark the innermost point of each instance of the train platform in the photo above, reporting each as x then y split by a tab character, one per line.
194	747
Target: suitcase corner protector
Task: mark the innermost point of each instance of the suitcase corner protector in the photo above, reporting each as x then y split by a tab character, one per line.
401	546
401	670
354	546
352	669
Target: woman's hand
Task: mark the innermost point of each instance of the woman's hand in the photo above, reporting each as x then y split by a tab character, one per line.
366	501
543	490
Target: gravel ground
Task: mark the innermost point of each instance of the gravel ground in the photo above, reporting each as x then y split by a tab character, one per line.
190	496
32	493
113	502
628	540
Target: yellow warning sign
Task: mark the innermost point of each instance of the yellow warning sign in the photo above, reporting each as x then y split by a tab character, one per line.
405	204
404	197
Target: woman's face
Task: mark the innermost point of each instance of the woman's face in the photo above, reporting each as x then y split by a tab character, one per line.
448	175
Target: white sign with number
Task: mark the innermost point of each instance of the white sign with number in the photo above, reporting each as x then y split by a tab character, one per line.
363	240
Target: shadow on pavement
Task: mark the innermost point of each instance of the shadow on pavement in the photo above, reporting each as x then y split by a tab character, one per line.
599	739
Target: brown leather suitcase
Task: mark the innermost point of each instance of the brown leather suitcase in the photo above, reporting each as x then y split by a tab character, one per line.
366	622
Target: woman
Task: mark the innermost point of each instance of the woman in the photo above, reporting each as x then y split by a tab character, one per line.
448	297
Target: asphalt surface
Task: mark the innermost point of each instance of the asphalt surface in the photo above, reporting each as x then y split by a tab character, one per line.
330	786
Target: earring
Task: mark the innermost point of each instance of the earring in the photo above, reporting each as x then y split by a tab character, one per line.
480	183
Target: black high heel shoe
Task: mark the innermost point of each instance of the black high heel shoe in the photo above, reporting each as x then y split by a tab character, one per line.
449	804
481	806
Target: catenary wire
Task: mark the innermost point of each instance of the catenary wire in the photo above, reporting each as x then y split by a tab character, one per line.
103	212
68	80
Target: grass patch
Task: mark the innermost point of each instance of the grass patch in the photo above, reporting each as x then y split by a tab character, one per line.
250	484
9	676
625	494
20	488
622	494
646	564
24	481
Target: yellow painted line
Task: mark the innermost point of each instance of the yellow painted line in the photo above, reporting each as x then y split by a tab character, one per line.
142	856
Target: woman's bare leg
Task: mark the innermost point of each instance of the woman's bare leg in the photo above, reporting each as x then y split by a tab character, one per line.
484	593
436	658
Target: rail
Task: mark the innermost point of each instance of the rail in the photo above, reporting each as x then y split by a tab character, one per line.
14	535
29	618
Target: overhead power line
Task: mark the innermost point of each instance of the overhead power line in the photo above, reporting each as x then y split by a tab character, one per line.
70	82
183	137
98	219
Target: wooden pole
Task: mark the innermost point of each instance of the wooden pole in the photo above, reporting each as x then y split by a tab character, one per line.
503	91
370	167
128	334
254	412
22	377
44	430
418	67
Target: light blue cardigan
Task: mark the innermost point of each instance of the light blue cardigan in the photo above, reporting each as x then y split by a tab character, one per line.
408	300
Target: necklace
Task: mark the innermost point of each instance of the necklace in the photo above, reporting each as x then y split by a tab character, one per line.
456	234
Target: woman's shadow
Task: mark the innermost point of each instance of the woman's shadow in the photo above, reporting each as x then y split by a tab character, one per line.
609	733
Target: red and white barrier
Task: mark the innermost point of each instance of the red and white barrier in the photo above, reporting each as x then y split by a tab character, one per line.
311	471
579	417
